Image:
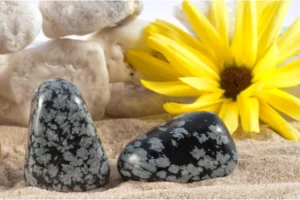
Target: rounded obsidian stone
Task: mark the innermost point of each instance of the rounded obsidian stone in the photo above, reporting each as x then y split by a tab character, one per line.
64	150
191	147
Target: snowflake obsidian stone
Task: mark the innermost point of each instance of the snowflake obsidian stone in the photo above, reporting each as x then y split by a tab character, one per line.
190	147
64	150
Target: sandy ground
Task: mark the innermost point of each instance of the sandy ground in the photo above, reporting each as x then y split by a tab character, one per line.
269	167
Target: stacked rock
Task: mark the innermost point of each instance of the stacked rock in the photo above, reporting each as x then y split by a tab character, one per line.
20	24
80	62
63	18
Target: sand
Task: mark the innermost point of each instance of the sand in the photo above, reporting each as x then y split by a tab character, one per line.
269	167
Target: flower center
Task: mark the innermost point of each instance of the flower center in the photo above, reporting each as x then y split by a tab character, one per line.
234	80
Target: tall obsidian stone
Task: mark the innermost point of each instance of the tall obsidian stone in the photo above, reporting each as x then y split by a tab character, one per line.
64	150
191	147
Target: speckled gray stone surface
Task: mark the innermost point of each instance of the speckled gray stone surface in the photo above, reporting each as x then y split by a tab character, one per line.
64	150
188	148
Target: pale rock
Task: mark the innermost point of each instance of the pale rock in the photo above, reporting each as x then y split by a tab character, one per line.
115	43
205	7
81	63
62	18
132	100
20	24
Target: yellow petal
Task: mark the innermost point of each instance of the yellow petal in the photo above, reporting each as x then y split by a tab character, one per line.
209	62
172	31
218	16
215	108
187	38
204	101
158	42
189	58
276	122
284	102
230	115
202	84
244	43
289	42
153	29
176	108
267	62
182	58
253	89
204	29
158	55
174	88
270	23
285	76
248	110
260	6
150	66
165	31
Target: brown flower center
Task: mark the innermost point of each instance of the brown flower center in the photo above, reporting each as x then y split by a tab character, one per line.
234	80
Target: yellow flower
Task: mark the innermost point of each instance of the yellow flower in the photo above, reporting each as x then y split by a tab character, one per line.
240	79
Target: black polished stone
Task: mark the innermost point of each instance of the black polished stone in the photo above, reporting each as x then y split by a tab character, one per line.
64	150
191	147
